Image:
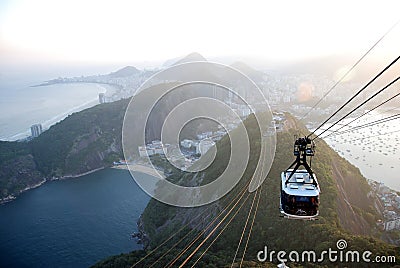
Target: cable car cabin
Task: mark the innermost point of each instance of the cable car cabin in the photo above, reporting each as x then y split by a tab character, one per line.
300	195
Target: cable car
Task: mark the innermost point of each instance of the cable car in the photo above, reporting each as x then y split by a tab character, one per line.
300	190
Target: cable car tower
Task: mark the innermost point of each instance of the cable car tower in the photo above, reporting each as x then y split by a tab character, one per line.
299	187
303	147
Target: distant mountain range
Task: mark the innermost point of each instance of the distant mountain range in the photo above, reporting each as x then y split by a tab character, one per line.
255	75
189	58
124	72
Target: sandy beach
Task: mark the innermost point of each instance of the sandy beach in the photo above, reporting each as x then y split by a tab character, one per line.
60	101
141	168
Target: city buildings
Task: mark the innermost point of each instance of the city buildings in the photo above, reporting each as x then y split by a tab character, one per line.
186	143
153	148
392	225
388	203
36	130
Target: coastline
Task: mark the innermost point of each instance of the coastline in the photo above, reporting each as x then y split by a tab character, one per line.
51	82
141	236
108	89
58	214
133	167
140	168
10	198
77	175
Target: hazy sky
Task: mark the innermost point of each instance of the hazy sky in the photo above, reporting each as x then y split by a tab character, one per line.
124	31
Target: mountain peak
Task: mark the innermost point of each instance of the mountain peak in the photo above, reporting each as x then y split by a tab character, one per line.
126	71
194	56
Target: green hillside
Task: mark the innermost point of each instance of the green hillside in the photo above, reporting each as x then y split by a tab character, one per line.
91	139
82	142
353	219
85	141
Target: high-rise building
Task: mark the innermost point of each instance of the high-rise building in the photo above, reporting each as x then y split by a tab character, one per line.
36	130
102	98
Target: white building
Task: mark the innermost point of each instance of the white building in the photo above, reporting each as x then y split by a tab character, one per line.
204	135
159	150
150	151
155	147
186	143
36	130
201	136
156	143
393	224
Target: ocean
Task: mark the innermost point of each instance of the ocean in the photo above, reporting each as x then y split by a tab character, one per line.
67	223
22	106
73	222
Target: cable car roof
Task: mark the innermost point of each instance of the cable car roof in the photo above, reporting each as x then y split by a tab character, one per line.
300	184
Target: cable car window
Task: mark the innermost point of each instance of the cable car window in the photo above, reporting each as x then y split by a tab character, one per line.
302	199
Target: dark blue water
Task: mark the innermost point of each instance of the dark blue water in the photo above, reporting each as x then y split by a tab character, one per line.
72	223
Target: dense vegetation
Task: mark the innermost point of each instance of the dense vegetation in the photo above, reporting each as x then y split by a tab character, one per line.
92	139
161	221
17	168
82	142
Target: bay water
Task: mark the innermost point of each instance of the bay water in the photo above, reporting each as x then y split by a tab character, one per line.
73	222
375	149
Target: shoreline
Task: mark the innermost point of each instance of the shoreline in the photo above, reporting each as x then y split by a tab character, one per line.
108	89
13	197
66	202
77	175
50	83
10	198
134	167
142	168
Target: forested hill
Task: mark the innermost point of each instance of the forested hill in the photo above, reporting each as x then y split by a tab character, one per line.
91	139
82	142
346	212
